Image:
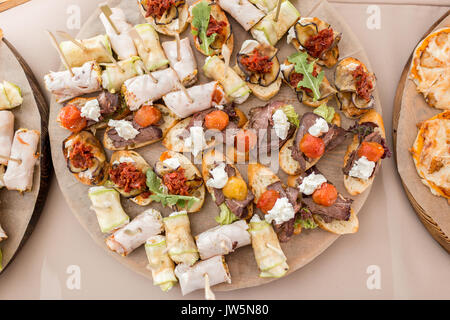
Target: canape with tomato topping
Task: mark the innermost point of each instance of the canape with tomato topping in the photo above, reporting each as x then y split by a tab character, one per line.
86	158
167	16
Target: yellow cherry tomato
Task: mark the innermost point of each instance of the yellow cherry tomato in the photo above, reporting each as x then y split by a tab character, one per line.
235	188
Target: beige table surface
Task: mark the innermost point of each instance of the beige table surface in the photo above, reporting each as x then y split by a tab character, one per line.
411	263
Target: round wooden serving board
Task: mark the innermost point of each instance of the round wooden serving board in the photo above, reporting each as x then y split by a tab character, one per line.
244	271
410	108
19	213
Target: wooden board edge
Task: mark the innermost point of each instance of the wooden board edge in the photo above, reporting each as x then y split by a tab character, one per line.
45	158
432	227
8	4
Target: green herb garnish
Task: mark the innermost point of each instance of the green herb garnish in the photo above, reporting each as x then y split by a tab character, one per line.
159	194
201	13
306	223
325	112
292	116
302	66
225	216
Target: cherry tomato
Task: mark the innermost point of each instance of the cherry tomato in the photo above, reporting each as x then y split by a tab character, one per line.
71	119
147	115
371	150
217	120
267	200
245	140
326	195
236	188
312	147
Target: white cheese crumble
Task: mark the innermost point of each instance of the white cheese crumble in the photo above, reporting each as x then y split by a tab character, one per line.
281	124
281	212
311	182
124	160
124	129
319	127
291	35
172	163
362	168
91	110
196	141
219	177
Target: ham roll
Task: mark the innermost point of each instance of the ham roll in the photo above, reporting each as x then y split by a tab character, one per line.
142	90
133	235
245	13
266	247
19	176
160	263
94	51
113	77
122	44
204	96
186	67
222	240
6	135
193	278
86	79
181	244
149	48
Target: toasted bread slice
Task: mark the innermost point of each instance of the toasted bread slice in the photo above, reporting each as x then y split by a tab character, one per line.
177	26
262	93
259	177
354	185
169	120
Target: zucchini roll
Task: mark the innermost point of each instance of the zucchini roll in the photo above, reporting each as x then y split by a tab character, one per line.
160	263
94	50
10	95
152	55
181	244
186	67
234	86
107	206
193	278
266	247
222	240
245	13
133	235
6	135
19	176
113	78
86	79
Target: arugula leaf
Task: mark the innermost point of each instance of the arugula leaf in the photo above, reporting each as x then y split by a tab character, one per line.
225	216
302	66
159	194
325	112
201	13
292	116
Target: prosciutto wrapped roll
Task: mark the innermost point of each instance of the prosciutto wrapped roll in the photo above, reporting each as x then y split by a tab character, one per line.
6	135
3	235
266	247
94	51
152	54
109	211
186	67
234	86
122	44
133	235
193	278
242	11
160	263
181	244
222	240
86	79
142	90
113	78
204	96
19	176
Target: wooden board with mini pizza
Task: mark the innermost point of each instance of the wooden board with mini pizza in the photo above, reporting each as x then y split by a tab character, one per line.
215	144
422	130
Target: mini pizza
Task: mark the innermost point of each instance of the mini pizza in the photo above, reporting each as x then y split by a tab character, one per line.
227	188
86	158
364	154
205	129
322	204
186	65
168	17
210	28
258	65
276	201
317	38
10	96
314	137
91	113
431	154
94	50
305	76
355	85
430	68
243	11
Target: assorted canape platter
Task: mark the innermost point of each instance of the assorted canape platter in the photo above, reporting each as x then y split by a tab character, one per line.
160	99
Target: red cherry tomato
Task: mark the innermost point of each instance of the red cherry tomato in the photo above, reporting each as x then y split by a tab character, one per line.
312	147
267	200
147	115
371	150
217	120
326	195
71	119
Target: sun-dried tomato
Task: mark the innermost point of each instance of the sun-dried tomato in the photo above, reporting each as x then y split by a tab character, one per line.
320	42
364	85
126	176
255	62
81	155
215	26
176	182
157	8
